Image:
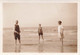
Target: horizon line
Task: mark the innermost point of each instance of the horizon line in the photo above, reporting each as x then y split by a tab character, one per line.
37	26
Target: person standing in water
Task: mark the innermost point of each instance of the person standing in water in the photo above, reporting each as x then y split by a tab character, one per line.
60	31
17	33
40	32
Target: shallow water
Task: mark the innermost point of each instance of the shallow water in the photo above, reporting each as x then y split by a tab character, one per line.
30	42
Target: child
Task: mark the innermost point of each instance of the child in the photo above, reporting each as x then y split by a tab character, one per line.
40	32
17	32
60	31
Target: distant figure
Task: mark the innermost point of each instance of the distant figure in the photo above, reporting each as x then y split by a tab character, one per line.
60	31
40	32
17	33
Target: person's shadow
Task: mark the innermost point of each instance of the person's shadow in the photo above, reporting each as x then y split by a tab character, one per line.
18	48
41	46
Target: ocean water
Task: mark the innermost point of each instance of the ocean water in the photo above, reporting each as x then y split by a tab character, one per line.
32	31
30	40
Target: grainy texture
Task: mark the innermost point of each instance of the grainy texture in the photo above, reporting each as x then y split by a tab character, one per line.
30	41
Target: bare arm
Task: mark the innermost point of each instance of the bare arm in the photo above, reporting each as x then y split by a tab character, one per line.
42	29
19	30
38	30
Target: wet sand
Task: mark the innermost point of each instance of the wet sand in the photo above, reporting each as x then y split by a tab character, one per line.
30	42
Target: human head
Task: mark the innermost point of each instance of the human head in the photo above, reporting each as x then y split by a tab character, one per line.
16	21
59	22
40	25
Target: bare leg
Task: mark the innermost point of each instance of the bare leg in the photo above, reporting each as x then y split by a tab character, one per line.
42	37
15	42
15	45
62	44
19	41
39	37
62	41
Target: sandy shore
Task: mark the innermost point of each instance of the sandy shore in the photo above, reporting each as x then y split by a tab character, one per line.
30	42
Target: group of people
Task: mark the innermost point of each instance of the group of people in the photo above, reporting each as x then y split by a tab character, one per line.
40	32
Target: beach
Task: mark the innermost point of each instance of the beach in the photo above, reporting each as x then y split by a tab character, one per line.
30	40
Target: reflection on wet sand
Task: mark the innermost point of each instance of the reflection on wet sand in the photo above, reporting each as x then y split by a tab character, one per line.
18	48
62	49
41	46
62	46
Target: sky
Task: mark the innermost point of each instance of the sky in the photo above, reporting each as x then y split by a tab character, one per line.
32	14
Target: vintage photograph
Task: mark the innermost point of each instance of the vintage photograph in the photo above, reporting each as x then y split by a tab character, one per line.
40	27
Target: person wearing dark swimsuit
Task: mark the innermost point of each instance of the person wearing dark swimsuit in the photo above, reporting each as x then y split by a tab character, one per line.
40	32
17	32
